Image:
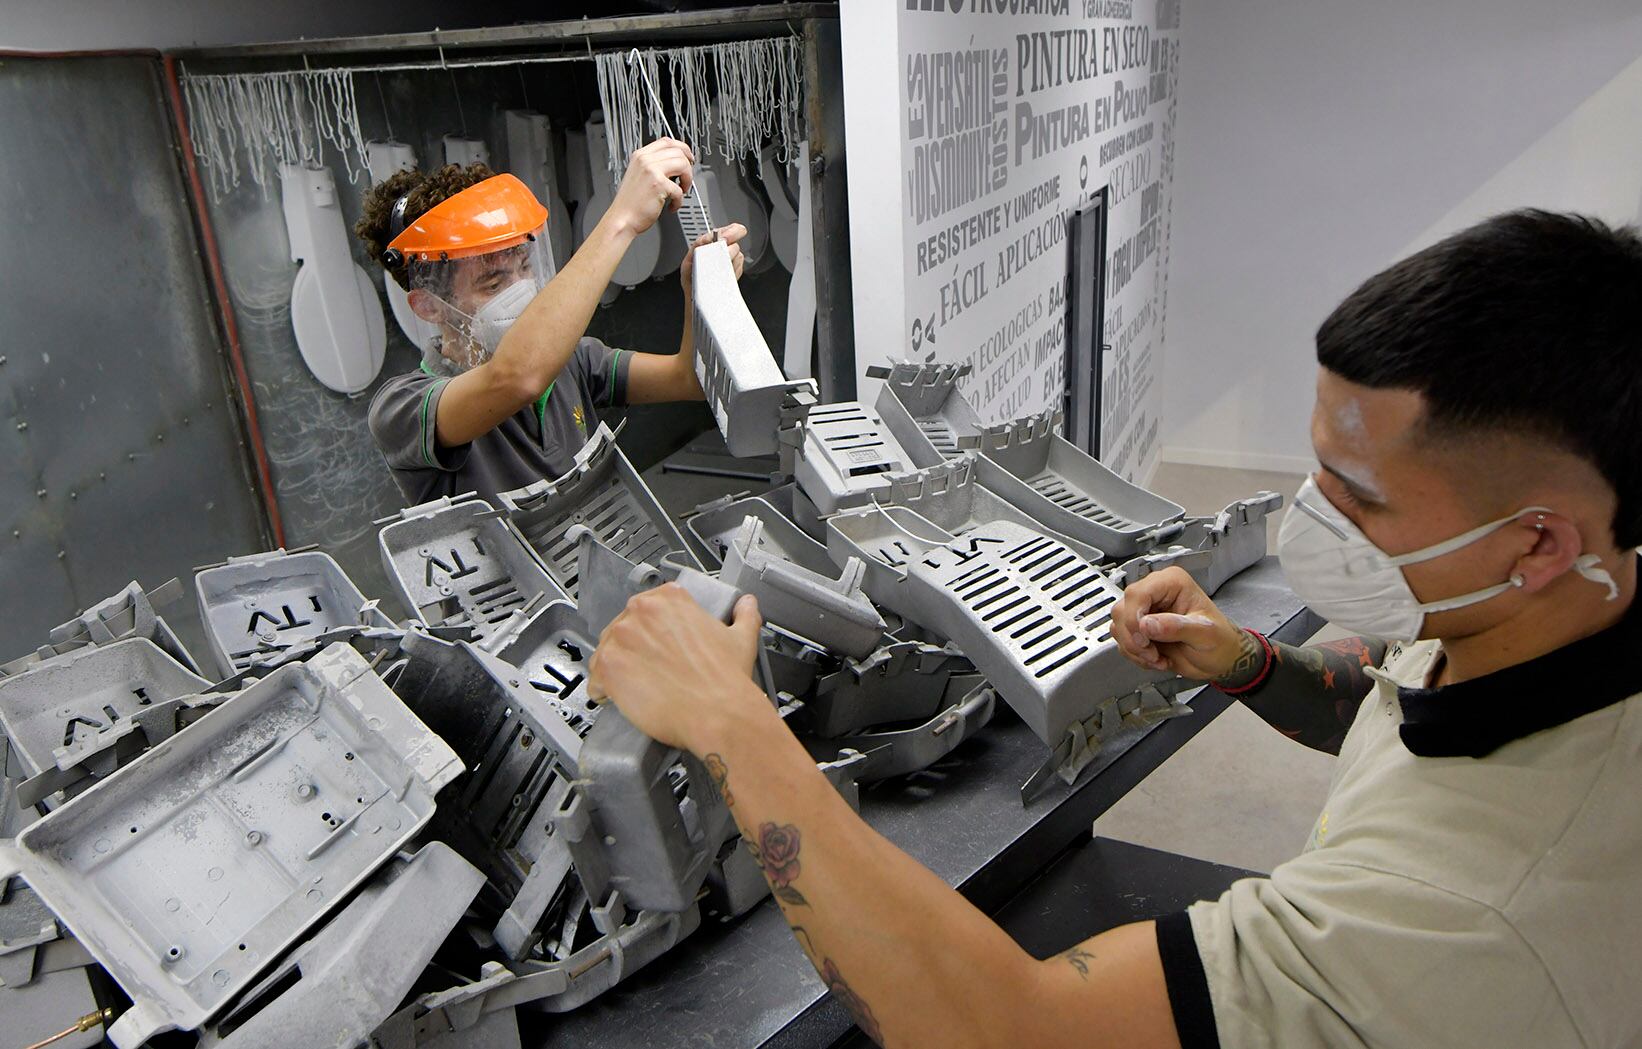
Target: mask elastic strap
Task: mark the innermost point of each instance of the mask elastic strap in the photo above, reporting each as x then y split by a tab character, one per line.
1475	597
1464	539
1589	566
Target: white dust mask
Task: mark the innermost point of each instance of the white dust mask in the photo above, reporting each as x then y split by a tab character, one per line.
1339	572
495	317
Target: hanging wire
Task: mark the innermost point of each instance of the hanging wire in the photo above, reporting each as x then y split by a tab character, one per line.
387	118
728	96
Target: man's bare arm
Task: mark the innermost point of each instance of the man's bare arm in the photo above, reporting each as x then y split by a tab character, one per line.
1313	691
916	963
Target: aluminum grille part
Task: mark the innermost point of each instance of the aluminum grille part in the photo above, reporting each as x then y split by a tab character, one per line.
744	387
457	563
1032	615
603	492
846	456
1027	462
261	606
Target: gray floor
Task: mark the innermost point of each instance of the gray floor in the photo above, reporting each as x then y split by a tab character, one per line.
1238	793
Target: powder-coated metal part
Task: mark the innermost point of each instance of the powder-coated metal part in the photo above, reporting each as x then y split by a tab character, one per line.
245	830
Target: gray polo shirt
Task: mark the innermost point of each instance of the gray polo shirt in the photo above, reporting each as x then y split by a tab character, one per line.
1474	879
540	440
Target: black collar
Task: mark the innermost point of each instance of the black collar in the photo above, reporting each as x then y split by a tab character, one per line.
1474	718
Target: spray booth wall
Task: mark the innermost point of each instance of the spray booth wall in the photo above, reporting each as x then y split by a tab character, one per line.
121	453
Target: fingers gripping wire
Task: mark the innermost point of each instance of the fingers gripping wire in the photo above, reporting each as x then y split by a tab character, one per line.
703	221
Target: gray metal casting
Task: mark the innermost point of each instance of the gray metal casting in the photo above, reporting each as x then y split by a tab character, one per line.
745	388
455	562
333	990
833	613
950	495
845	456
246	830
715	524
90	758
1032	615
68	702
603	492
261	605
129	613
898	751
1027	462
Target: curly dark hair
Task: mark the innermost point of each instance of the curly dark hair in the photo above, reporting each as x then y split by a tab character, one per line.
421	190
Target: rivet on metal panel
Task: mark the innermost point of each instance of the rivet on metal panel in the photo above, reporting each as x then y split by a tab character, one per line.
22	426
41	493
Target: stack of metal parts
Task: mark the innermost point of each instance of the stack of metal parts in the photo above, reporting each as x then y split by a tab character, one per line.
343	829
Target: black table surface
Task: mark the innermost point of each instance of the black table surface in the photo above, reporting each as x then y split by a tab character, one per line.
746	983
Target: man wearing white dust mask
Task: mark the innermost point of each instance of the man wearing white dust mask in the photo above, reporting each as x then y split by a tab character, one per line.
511	387
1472	880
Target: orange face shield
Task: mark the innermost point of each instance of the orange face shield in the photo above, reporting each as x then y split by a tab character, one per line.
475	261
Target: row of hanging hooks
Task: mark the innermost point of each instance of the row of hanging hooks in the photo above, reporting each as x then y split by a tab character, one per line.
729	96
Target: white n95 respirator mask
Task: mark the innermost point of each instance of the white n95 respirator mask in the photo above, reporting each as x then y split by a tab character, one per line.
1339	572
492	320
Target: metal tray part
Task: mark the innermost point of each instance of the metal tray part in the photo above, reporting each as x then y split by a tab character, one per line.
79	700
899	751
1027	462
192	869
89	759
456	562
1032	615
923	399
949	494
745	389
603	492
715	524
129	613
333	990
845	456
834	613
464	1016
1235	538
261	605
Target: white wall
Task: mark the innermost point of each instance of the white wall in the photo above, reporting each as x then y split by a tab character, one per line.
962	117
1320	141
84	25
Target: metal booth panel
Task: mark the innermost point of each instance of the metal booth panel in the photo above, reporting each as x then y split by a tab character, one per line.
121	452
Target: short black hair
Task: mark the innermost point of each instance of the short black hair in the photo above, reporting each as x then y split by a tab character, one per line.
1530	323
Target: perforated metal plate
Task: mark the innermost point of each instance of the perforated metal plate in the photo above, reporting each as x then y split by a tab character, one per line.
603	492
846	456
263	605
1032	615
458	563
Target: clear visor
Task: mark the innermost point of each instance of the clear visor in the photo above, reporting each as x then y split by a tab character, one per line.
473	300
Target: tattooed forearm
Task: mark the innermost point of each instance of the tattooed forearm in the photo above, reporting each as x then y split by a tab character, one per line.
1079	959
853	1002
719	773
776	853
1313	692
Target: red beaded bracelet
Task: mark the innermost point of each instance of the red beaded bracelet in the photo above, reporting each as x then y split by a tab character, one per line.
1265	670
